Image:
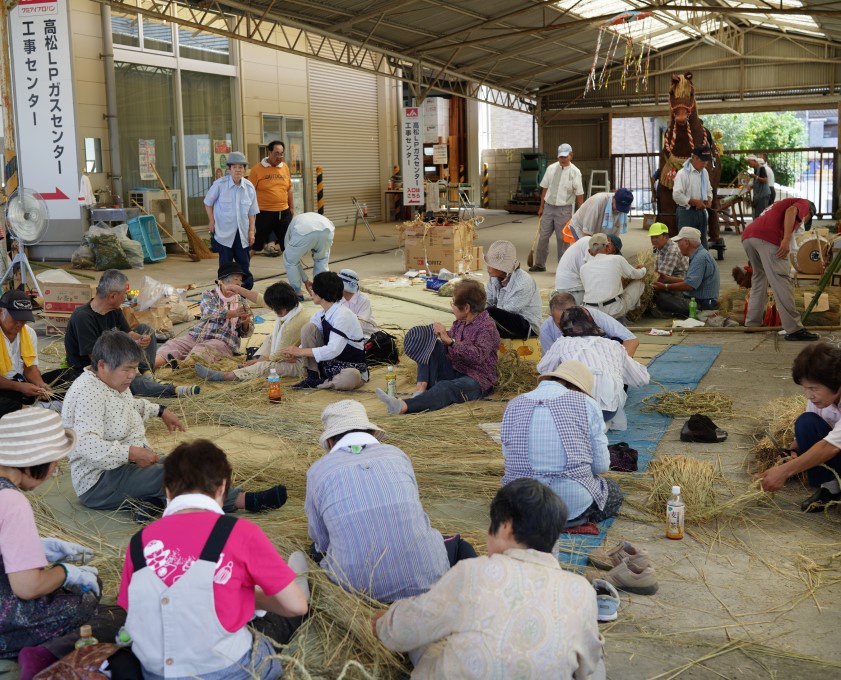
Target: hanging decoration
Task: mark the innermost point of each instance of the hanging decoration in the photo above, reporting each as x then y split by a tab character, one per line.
635	61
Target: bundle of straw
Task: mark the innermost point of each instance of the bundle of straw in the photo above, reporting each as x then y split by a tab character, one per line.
778	419
688	402
516	375
647	259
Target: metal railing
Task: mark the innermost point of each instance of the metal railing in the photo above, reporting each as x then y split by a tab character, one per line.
808	172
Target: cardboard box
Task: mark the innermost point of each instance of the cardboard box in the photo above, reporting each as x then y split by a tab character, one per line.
453	236
457	260
65	297
56	324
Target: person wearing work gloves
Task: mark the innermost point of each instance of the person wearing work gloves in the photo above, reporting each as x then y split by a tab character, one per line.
45	598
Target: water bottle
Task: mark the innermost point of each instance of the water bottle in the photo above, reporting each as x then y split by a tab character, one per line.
693	308
274	387
86	637
675	510
391	382
123	637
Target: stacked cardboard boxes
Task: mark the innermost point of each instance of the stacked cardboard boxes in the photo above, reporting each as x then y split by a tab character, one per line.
437	246
60	299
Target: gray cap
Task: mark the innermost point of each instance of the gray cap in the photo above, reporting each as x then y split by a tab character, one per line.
564	150
237	158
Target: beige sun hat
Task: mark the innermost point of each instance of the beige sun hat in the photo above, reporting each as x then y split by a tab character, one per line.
344	416
33	436
574	372
502	255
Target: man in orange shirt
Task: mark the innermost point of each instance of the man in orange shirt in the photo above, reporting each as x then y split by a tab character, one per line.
273	182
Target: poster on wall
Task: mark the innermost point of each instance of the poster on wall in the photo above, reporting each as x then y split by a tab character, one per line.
221	150
439	154
203	158
146	155
412	157
43	89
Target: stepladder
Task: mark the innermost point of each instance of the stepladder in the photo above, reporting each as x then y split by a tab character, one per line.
361	214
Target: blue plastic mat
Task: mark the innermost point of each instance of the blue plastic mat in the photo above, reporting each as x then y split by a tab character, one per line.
678	368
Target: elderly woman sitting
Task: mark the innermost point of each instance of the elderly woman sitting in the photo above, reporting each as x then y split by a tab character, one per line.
555	434
513	297
225	321
108	422
610	364
454	366
223	568
45	597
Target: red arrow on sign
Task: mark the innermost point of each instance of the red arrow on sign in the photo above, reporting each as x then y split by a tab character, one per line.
57	196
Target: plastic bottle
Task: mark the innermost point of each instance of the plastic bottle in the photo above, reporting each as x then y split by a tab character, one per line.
675	510
274	387
86	637
123	637
693	308
391	382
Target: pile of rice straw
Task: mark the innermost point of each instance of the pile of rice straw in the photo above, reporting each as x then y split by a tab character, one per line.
516	375
645	258
778	419
699	482
685	403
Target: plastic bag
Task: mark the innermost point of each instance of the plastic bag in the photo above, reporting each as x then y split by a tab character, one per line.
152	292
134	253
83	257
106	245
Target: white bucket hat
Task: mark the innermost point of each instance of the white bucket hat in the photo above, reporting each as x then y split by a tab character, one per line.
33	436
502	255
344	416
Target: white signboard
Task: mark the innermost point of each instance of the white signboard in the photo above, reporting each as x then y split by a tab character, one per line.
412	157
45	117
439	154
147	158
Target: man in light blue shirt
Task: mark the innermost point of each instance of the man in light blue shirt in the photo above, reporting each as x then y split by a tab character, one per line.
701	282
562	301
231	206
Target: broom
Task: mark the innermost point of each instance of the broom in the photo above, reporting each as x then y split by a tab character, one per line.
197	245
191	255
530	259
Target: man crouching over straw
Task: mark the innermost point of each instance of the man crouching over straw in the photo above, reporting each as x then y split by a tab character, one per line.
112	462
514	613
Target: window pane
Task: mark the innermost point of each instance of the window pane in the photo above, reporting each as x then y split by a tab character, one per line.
272	128
208	126
124	29
157	35
295	159
203	46
146	110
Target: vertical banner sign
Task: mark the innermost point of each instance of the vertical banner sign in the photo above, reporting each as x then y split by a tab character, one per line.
147	157
412	157
39	34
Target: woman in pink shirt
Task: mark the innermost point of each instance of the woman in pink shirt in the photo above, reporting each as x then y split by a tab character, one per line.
193	579
817	432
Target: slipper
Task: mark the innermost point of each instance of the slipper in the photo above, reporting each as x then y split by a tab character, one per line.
699	428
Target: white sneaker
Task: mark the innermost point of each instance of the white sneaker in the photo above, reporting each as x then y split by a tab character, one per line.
608	600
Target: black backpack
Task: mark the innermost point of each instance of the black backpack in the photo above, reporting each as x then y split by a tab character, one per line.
381	349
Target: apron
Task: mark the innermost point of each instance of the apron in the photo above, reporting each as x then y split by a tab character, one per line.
351	357
175	630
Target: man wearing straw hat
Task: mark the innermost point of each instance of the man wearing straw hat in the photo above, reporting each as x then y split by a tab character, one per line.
562	187
542	439
369	530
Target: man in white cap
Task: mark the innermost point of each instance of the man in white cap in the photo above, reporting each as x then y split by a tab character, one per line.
369	530
357	302
701	281
562	187
542	439
513	298
231	206
761	185
603	276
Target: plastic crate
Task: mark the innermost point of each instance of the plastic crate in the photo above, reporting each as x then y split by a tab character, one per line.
145	230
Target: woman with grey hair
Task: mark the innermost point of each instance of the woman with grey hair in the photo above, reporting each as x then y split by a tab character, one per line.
111	436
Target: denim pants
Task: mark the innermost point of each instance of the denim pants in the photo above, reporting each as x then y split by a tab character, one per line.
446	385
690	217
809	429
236	253
297	245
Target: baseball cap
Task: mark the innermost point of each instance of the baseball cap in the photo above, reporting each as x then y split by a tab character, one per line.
229	269
598	240
18	304
687	232
657	229
703	152
616	241
564	150
624	199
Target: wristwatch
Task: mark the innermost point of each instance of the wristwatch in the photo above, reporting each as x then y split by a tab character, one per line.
161	410
453	343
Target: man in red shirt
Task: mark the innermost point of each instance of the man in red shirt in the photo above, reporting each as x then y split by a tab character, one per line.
766	241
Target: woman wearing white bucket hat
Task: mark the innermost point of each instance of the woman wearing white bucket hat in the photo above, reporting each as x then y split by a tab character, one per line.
513	298
43	596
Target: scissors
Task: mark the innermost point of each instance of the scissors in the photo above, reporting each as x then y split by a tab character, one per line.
776	444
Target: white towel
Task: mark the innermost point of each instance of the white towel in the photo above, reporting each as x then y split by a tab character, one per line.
86	192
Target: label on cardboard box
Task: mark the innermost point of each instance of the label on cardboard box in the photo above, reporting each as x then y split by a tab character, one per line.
65	297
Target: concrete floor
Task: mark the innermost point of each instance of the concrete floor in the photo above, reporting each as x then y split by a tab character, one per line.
754	596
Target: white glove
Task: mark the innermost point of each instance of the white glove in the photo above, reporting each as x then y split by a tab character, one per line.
57	550
83	578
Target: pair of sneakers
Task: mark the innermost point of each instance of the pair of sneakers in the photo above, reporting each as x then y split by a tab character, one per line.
629	568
